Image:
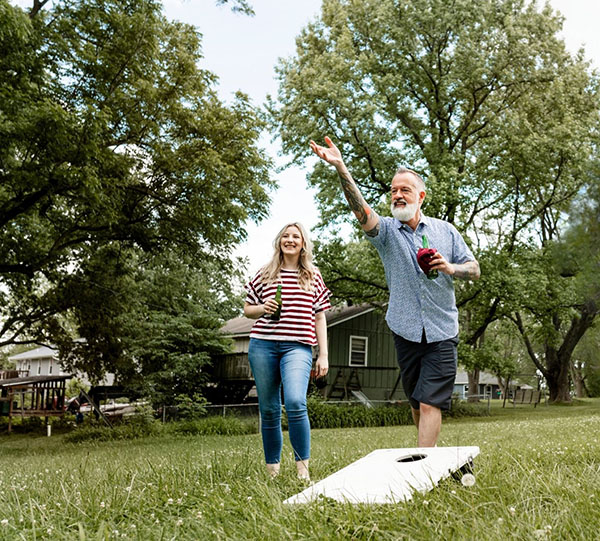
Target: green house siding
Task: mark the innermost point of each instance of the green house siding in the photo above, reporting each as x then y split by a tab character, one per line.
379	377
381	352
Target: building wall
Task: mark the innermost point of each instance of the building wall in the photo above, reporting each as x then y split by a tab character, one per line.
378	377
241	345
484	389
46	366
50	366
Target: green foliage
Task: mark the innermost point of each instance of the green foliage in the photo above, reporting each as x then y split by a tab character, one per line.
587	357
133	427
25	425
462	408
239	6
74	387
117	161
484	100
214	426
353	270
329	415
477	95
190	408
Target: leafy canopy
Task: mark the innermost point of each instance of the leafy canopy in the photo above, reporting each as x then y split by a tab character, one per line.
115	151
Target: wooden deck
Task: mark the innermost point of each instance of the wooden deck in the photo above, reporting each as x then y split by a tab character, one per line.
32	396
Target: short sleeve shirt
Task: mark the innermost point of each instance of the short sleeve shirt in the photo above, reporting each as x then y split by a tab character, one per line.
416	302
298	308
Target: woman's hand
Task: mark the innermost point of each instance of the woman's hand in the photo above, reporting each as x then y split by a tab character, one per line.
254	311
270	307
321	366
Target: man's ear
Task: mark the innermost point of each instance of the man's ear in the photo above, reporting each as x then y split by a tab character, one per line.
421	197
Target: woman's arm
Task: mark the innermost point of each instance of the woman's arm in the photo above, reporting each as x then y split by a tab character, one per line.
322	366
254	311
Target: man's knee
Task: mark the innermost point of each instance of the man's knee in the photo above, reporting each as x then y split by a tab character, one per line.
428	409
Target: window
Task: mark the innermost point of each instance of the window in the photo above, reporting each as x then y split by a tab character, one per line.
39	367
50	368
358	350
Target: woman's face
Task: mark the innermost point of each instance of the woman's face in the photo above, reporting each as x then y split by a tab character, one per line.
291	241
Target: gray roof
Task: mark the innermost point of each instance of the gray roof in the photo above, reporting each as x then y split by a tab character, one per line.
241	326
485	378
43	352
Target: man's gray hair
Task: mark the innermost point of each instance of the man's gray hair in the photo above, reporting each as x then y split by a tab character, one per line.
420	180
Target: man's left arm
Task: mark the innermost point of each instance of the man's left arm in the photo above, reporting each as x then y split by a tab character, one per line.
467	271
464	271
466	266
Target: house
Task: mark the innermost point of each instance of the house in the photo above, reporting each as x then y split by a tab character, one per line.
362	358
44	361
362	361
488	385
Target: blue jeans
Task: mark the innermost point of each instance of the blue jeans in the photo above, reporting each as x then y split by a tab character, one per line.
275	363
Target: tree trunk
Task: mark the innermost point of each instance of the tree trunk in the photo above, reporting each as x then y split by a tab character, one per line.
503	385
557	376
473	385
557	362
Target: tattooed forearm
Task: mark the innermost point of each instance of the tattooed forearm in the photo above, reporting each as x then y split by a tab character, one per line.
355	199
467	271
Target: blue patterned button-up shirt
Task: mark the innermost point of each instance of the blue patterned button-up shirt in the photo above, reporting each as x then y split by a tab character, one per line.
417	303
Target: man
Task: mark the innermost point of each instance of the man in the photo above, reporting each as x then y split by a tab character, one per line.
422	313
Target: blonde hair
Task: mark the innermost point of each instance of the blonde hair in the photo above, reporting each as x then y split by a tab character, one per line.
306	269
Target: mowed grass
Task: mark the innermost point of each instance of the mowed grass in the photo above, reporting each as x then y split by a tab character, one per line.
538	477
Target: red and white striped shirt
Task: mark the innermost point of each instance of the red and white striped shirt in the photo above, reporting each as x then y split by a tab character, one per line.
298	308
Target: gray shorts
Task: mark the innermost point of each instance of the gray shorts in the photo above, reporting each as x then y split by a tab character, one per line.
428	371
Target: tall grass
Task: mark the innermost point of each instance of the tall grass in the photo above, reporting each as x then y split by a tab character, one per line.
538	477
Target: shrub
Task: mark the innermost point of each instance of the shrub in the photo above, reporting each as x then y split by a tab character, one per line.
136	426
190	407
462	408
329	415
210	426
24	425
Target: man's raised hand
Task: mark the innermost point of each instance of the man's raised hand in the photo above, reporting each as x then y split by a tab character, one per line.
331	154
369	220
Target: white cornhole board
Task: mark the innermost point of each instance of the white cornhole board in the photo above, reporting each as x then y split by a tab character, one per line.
389	475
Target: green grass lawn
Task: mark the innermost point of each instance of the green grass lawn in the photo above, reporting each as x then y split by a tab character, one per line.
538	477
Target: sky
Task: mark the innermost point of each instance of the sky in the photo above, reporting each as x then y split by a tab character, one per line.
243	51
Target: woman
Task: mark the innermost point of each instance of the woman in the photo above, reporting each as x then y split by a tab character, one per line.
280	351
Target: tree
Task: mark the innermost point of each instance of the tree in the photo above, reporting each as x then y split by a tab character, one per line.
153	320
586	364
114	145
481	97
564	302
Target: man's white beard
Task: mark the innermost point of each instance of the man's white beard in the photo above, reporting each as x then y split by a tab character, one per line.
406	213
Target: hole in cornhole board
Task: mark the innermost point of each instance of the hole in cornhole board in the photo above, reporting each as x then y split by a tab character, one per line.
411	458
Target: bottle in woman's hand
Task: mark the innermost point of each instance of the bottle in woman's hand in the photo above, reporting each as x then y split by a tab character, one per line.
277	314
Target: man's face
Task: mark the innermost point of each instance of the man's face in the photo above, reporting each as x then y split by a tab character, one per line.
406	197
